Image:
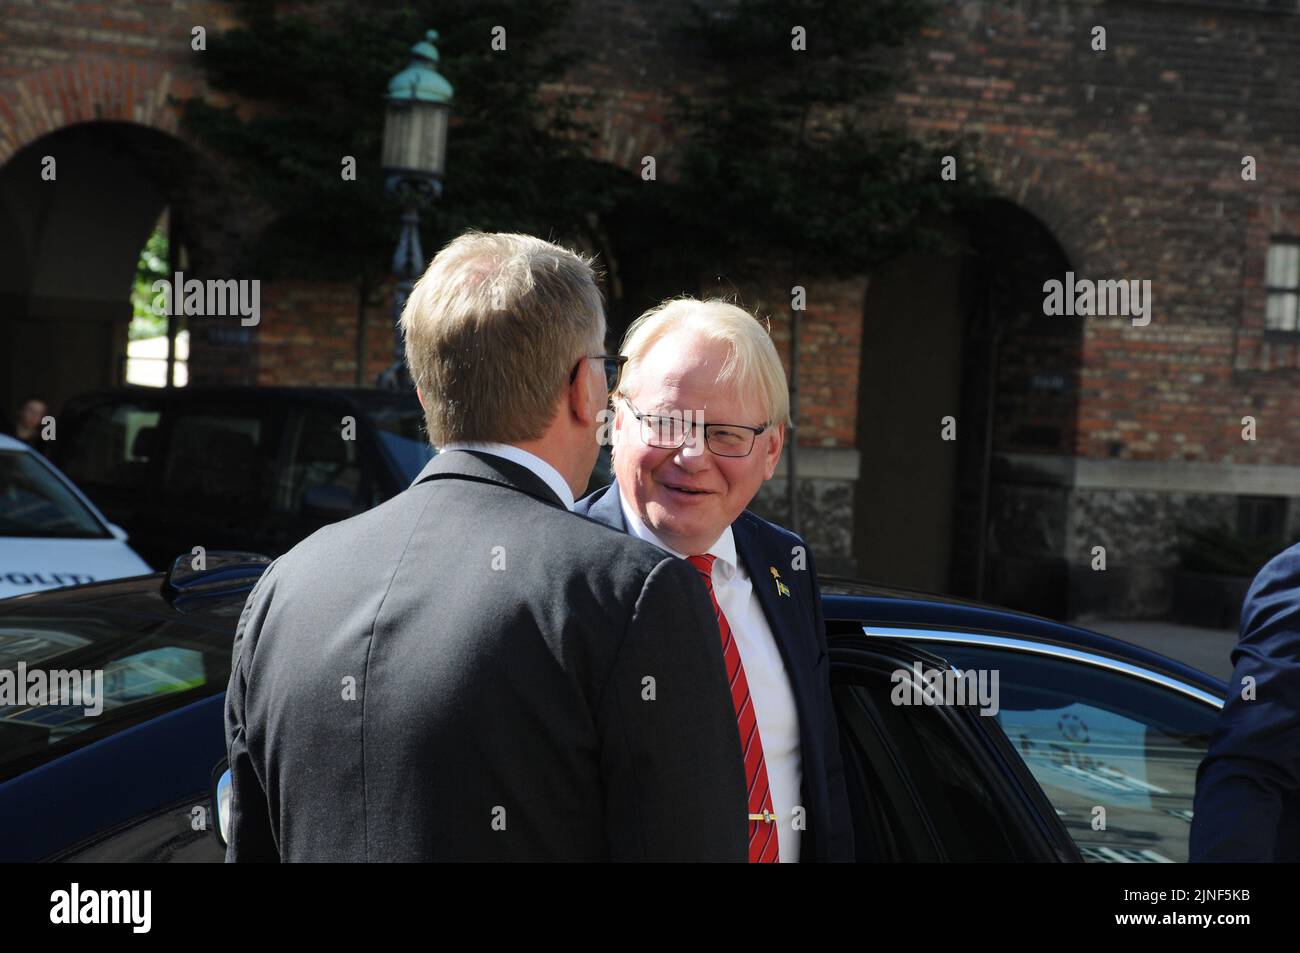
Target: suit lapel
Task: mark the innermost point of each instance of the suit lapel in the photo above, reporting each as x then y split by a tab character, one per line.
786	614
607	509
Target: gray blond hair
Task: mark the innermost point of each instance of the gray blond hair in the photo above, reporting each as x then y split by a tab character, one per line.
752	365
492	330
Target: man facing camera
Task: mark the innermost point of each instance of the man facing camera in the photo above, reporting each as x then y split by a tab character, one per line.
469	671
700	417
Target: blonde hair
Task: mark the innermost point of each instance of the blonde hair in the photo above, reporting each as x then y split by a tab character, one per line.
493	329
752	364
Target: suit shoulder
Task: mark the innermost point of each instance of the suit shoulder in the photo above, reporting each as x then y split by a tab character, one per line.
1281	570
1271	599
370	531
768	531
609	540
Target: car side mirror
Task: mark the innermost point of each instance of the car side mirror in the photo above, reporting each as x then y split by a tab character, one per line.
219	807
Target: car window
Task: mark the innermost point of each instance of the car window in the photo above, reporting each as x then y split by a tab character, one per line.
111	445
34	503
319	459
403	438
224	455
914	782
1095	738
71	673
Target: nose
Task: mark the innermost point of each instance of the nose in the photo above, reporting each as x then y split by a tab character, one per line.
692	455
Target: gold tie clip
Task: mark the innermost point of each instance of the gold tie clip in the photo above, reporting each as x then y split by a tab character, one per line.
767	816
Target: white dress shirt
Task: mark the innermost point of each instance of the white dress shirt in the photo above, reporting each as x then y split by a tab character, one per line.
531	461
769	685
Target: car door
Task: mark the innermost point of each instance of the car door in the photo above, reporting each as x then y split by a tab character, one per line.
930	782
1114	745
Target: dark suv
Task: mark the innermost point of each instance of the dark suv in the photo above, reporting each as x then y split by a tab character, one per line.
237	467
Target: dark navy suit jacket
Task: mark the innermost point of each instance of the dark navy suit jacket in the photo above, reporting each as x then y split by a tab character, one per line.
1247	804
800	633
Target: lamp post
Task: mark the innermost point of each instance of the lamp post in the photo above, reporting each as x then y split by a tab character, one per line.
415	151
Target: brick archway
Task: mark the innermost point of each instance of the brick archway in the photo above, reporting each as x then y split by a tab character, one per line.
119	90
1029	183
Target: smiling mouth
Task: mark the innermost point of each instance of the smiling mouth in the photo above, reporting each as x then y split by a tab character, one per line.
685	490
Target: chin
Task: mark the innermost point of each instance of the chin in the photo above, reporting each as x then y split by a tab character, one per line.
670	528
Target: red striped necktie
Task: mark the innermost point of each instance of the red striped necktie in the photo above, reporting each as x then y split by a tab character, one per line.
763	844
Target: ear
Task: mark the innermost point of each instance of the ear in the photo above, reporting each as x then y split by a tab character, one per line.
584	402
772	455
420	395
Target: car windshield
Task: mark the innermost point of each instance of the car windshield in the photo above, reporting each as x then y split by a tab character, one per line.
36	503
401	431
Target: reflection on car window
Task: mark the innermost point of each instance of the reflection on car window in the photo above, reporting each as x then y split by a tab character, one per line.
34	646
35	503
113	446
146	663
151	673
1116	755
940	769
221	455
318	458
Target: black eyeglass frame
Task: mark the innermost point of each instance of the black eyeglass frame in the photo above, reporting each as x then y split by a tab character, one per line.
611	372
756	431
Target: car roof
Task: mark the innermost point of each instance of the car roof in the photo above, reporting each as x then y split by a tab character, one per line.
11	443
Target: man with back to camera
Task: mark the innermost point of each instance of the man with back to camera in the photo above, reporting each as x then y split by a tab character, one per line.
469	671
700	417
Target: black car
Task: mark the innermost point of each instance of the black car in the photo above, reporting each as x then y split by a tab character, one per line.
237	467
1091	754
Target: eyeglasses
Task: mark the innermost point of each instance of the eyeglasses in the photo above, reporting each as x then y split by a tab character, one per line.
613	367
669	433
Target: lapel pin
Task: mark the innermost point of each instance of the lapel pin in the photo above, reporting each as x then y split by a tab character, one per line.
781	589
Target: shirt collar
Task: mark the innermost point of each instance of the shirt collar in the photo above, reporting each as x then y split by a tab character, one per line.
531	461
723	549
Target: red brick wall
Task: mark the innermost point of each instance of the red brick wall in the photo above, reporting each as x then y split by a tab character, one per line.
308	334
1132	158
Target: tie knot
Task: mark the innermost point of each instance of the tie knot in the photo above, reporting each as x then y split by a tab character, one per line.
705	566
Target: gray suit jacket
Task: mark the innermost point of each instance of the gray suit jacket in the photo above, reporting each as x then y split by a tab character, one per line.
471	672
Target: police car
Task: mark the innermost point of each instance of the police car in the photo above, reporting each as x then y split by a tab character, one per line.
50	534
